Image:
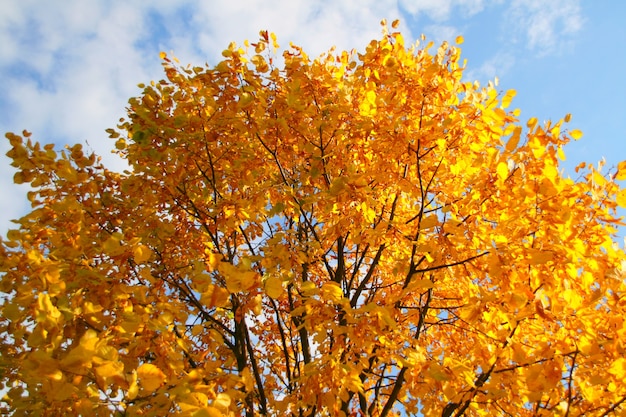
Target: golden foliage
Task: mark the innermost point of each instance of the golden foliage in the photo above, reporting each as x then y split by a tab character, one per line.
357	234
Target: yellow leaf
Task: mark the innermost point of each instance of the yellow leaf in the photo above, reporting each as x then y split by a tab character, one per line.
274	42
84	352
621	171
273	287
48	312
471	312
208	412
576	134
537	147
14	235
429	222
110	369
598	179
618	368
353	383
151	376
308	289
112	245
538	257
237	279
495	267
514	140
586	345
437	372
331	291
383	315
197	398
419	284
459	40
37	337
215	296
245	99
141	254
133	388
572	298
621	198
222	401
368	213
508	97
550	171
11	311
502	170
518	300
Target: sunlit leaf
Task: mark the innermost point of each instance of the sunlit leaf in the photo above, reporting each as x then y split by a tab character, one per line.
502	170
514	140
273	287
576	134
331	291
621	198
538	257
150	376
508	97
621	171
141	253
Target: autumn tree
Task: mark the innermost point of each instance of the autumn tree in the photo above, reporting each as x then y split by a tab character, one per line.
361	234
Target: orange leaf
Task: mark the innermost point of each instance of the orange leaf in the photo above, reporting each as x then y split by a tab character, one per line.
141	254
273	287
151	376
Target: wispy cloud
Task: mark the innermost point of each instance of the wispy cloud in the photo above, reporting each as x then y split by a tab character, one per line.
545	26
442	10
472	7
495	66
438	10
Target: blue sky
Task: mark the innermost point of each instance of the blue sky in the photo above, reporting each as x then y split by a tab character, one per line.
68	68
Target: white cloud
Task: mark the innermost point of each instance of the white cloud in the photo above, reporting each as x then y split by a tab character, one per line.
438	10
441	10
472	7
496	66
440	33
545	26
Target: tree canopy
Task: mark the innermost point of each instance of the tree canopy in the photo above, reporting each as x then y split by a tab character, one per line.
358	234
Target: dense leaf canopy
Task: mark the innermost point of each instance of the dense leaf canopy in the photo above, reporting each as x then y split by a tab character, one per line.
357	234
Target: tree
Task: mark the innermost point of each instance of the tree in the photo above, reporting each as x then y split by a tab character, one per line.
359	234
